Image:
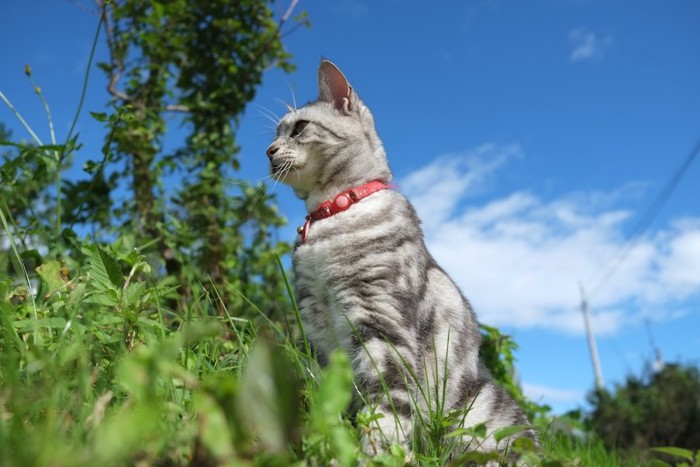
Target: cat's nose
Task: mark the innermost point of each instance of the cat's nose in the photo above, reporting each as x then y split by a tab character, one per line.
272	150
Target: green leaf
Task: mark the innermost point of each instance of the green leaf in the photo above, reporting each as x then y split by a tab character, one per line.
137	371
675	452
199	330
524	444
476	431
53	323
122	435
104	269
214	431
658	463
102	297
51	274
335	389
134	292
508	431
330	401
478	458
269	397
99	116
91	167
31	257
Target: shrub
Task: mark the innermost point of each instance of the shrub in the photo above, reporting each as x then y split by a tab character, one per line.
659	409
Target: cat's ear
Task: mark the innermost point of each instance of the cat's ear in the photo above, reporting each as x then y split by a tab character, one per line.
334	87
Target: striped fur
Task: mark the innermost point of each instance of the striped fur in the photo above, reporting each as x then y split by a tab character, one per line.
366	283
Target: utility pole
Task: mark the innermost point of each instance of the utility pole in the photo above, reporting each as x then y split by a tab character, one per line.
658	363
591	341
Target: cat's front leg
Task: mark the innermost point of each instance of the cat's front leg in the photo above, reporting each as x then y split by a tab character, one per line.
385	374
384	428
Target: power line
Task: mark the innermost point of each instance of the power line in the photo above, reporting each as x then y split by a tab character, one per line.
645	221
606	272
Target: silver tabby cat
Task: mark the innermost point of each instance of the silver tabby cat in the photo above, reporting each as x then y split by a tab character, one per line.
366	283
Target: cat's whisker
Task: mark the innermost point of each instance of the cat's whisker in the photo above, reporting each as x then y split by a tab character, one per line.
275	184
286	105
269	114
293	167
291	92
267	111
292	95
266	131
259	198
273	123
284	170
298	174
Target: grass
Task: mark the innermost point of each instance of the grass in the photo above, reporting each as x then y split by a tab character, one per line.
113	378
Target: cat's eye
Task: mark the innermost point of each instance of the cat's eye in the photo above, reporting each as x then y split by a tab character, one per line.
299	127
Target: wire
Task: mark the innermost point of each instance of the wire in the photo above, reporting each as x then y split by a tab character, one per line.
606	272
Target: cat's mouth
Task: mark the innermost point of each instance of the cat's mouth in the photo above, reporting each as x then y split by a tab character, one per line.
280	168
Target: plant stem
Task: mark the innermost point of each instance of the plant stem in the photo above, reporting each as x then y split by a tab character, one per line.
21	119
56	154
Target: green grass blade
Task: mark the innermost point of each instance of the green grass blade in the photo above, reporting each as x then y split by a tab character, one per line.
675	452
295	307
87	76
20	263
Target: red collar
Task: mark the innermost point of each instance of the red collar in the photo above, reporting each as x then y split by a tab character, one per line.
340	203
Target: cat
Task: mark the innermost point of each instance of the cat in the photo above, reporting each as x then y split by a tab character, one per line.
365	281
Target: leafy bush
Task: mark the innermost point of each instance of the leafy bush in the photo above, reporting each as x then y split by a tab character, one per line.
93	371
498	354
661	409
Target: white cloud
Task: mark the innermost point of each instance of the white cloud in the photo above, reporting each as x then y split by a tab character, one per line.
450	177
681	266
477	8
520	259
587	45
351	8
537	392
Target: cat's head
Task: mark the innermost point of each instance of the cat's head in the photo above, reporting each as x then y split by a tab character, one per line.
330	144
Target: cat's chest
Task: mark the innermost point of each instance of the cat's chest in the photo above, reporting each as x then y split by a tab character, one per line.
320	259
317	265
330	244
326	266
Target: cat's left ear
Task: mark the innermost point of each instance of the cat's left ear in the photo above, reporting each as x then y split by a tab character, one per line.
334	87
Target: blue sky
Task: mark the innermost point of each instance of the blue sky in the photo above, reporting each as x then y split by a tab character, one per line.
531	136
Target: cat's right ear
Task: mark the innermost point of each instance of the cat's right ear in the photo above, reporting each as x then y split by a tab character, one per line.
334	87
